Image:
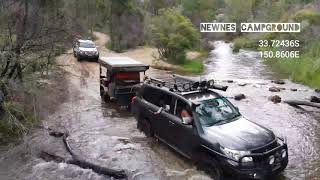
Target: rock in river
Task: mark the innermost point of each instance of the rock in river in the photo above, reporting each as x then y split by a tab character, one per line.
242	84
275	99
238	97
315	99
278	81
274	89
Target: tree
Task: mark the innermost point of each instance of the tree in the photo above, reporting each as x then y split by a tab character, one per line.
200	10
173	34
239	10
126	25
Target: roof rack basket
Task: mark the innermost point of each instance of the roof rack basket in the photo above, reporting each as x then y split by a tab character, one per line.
177	83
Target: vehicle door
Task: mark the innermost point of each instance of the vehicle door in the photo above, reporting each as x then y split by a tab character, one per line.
183	136
152	101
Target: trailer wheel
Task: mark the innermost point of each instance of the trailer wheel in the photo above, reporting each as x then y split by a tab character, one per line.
104	95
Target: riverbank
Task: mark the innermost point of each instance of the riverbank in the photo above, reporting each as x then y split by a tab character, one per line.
304	69
194	63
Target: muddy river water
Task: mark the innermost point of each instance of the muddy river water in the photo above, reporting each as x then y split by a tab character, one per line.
107	135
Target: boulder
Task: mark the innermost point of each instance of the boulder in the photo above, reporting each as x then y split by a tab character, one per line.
317	90
294	89
230	81
242	84
239	97
274	89
275	99
278	81
315	99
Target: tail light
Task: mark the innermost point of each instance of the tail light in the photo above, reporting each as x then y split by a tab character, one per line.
133	100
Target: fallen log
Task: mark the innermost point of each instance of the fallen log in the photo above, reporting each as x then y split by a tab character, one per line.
76	160
302	103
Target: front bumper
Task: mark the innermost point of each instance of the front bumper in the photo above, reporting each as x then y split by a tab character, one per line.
260	168
88	56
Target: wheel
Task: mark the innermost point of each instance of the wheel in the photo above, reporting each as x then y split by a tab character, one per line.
210	165
104	95
145	126
139	124
101	92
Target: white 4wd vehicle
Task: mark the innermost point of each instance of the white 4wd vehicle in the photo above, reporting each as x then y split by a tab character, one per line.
85	49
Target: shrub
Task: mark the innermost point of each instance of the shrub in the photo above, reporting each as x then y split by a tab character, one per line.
173	34
191	67
311	16
243	42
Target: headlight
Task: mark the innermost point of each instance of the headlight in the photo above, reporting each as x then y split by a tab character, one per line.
283	153
234	154
271	160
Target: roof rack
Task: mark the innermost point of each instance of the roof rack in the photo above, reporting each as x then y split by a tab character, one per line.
176	83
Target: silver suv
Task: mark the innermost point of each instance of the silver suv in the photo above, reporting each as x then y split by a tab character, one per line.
85	49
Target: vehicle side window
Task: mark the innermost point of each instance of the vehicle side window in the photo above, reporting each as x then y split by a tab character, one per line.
182	109
150	95
158	98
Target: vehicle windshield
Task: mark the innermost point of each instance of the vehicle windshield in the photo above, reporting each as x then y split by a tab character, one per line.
216	111
87	45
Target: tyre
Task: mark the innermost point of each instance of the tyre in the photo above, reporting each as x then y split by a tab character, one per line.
104	96
210	165
101	92
145	126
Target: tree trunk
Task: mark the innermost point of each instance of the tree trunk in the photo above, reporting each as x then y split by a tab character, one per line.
304	103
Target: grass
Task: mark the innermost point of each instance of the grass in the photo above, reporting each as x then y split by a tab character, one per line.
109	45
191	67
305	69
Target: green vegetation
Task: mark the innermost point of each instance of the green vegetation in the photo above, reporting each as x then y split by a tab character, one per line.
109	45
191	67
243	42
305	69
173	34
14	122
311	16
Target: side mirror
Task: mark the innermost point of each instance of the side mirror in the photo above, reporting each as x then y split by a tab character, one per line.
237	108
